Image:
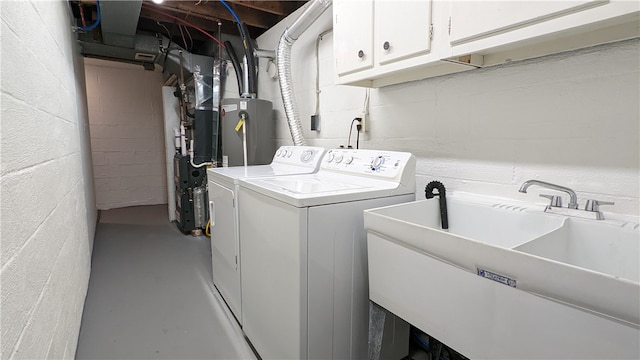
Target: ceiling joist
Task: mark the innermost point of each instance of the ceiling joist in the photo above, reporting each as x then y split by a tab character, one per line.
281	8
257	15
215	10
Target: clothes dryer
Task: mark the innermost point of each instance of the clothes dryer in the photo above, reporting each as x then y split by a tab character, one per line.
225	222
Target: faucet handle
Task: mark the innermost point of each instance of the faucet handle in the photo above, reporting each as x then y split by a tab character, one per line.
594	205
556	201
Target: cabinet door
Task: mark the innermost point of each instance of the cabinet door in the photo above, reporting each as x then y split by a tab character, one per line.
473	20
224	237
225	246
402	29
353	35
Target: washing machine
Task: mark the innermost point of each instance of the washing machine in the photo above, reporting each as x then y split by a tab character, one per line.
304	257
225	222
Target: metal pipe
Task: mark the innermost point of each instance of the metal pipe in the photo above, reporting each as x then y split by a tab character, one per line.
183	90
249	51
246	75
318	39
290	35
269	54
236	66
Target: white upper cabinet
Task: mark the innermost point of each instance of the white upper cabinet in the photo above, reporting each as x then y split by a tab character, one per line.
384	42
479	19
503	30
401	29
353	20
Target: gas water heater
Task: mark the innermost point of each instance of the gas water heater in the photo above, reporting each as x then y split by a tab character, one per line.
248	132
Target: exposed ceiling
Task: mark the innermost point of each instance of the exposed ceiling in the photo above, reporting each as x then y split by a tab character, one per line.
209	15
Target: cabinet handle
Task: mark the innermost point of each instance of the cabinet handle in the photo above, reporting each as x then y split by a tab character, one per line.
386	45
360	54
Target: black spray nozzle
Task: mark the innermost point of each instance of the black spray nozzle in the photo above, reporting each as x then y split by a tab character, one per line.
442	195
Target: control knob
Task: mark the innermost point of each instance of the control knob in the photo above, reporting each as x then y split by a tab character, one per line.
289	153
339	158
348	160
377	162
330	157
279	152
306	156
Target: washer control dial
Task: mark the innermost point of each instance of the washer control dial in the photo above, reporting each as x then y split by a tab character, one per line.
377	162
330	157
348	159
339	158
279	152
289	153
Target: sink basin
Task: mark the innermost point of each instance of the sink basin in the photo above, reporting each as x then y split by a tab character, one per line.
477	229
499	225
598	246
594	265
588	264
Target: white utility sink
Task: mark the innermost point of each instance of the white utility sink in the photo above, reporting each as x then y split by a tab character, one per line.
590	264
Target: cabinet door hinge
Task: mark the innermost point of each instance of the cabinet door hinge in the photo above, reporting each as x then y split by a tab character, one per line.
431	32
449	25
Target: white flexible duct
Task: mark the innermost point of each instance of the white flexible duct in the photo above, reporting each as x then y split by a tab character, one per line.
283	55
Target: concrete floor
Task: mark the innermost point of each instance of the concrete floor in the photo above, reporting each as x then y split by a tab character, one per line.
151	296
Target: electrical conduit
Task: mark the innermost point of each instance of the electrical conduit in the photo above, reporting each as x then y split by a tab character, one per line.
290	35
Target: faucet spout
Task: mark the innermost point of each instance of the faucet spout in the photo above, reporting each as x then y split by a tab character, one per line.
573	198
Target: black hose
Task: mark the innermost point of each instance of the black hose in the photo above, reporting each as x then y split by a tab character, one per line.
442	195
236	64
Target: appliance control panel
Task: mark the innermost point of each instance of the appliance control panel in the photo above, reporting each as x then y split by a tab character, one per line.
372	163
308	156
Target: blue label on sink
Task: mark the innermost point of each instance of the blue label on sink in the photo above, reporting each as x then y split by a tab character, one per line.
496	277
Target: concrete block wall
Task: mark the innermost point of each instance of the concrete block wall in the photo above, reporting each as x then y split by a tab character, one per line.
570	119
127	134
47	210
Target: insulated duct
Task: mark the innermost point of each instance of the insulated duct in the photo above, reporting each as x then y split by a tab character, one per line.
290	35
119	22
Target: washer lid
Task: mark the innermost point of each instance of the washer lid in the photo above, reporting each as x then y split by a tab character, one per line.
309	185
234	173
323	188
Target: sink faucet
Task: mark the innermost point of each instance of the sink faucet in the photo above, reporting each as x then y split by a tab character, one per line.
573	198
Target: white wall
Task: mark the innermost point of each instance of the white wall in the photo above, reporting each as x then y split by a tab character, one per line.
127	134
48	209
571	119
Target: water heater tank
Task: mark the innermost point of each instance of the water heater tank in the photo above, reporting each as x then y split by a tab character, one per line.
260	131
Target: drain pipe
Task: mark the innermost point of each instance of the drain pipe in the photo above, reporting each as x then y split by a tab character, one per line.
290	35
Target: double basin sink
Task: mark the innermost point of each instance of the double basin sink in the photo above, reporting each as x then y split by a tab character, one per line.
593	265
